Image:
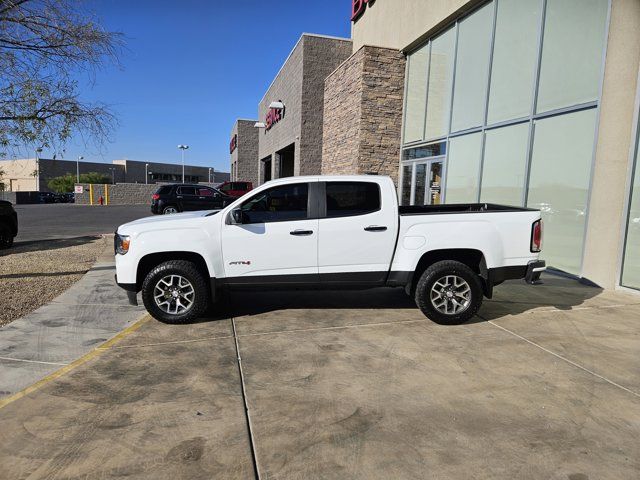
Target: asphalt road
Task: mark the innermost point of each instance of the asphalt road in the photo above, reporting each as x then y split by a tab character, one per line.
48	221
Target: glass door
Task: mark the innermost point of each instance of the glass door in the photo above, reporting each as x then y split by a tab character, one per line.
422	182
435	182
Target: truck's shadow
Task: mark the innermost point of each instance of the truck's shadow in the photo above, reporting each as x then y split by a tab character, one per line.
511	298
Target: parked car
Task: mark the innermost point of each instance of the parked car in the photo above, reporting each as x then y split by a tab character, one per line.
46	197
235	189
8	224
65	198
184	198
333	232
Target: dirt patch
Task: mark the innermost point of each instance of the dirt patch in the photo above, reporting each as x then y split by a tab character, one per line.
34	273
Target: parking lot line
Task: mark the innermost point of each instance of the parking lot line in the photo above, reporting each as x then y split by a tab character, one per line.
565	359
32	361
82	360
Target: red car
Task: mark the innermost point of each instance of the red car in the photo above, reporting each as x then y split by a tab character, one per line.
235	189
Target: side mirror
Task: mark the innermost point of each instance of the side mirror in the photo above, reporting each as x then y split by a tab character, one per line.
236	216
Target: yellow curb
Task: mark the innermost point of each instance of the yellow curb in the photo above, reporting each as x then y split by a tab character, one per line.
84	359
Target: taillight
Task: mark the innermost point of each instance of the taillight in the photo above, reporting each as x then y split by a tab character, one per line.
155	196
536	236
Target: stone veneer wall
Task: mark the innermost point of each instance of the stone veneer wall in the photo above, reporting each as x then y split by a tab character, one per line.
363	114
244	158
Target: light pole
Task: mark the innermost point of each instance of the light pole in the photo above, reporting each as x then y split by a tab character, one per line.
78	168
210	175
38	152
113	175
146	174
183	148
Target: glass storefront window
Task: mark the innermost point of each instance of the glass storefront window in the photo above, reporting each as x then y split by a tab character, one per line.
505	163
631	265
472	69
514	60
416	96
571	52
463	167
440	81
520	147
559	184
424	151
421	184
407	174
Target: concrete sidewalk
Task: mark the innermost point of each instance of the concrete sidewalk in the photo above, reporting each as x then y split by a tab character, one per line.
90	312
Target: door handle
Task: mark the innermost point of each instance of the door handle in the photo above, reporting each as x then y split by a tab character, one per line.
375	228
301	233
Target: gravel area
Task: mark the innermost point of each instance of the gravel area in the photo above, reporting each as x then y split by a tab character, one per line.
34	273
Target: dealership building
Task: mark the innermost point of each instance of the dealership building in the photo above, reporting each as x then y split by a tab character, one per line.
523	102
31	174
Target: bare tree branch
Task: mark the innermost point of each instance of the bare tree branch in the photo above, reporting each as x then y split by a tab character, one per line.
44	45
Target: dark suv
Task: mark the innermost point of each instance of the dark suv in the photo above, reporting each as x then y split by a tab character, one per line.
186	198
8	224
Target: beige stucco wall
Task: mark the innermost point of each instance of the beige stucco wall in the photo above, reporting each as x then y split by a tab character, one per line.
399	23
614	142
18	175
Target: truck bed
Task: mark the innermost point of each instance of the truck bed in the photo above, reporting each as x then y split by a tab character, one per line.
459	208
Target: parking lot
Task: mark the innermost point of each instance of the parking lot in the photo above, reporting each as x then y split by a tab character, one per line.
544	383
66	220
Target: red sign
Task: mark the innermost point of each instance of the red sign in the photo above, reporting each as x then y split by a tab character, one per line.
274	115
358	7
234	143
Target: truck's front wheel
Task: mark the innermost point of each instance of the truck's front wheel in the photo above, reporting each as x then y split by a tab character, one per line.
175	292
449	292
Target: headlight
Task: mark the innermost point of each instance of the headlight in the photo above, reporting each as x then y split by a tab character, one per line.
121	243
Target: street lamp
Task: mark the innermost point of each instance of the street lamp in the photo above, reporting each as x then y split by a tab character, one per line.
78	168
113	175
38	152
146	174
210	175
183	148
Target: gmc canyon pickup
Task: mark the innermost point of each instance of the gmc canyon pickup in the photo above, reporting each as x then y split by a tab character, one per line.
331	232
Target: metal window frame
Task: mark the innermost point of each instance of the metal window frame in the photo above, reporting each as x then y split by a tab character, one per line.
530	119
633	167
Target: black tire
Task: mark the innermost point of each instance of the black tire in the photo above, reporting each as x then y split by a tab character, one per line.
190	272
6	237
435	273
169	210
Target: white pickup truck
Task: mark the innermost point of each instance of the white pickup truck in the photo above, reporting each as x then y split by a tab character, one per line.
328	232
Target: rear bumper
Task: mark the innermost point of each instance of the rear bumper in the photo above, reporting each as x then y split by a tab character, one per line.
534	269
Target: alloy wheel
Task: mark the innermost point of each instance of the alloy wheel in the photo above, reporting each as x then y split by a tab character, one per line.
174	294
451	295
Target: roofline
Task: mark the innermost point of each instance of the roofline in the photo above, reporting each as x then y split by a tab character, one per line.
304	34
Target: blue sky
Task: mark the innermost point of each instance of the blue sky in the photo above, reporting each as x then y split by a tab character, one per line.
192	67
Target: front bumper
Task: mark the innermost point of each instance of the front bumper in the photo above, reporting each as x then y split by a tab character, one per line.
534	270
131	289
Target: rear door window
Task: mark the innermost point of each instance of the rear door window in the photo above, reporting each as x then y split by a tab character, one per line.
345	199
186	190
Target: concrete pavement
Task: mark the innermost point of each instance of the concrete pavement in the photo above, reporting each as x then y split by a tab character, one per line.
89	313
359	385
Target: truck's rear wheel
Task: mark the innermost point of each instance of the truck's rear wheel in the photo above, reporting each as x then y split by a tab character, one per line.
449	292
175	292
